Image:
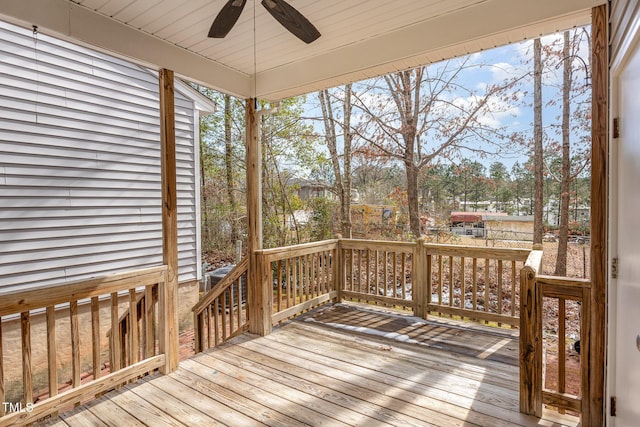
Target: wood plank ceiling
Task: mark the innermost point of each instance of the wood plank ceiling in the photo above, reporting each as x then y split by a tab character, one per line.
360	38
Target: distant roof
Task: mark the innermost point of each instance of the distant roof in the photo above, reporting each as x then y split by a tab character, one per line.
512	218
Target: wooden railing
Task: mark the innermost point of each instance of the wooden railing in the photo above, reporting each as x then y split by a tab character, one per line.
534	348
464	281
537	290
378	272
476	283
83	300
144	312
301	277
222	312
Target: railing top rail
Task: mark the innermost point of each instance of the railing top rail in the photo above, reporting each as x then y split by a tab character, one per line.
19	301
534	261
380	245
563	281
506	254
217	290
276	254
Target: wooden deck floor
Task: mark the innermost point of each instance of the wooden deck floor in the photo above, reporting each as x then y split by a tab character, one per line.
332	367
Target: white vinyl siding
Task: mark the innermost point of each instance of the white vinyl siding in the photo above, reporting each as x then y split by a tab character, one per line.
80	164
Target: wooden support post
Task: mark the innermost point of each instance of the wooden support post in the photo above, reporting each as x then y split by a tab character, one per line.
419	282
258	296
530	344
169	339
595	357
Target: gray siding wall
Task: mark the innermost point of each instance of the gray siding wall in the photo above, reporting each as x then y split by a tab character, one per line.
621	18
80	165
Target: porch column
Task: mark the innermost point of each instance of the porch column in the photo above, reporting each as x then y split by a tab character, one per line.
169	298
258	292
593	405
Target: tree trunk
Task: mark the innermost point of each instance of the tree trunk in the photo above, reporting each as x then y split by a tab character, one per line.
561	260
228	161
412	198
343	180
346	178
537	142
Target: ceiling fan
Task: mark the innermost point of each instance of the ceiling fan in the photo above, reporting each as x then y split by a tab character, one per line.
284	13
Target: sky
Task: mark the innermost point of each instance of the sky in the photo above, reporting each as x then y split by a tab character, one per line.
516	114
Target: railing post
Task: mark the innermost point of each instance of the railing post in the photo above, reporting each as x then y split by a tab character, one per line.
259	298
419	293
530	343
168	345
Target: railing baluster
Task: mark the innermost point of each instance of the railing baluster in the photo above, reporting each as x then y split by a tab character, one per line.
95	337
377	271
499	289
386	273
513	288
474	283
440	263
232	298
133	327
451	288
287	265
114	358
216	318
487	295
279	285
562	350
51	351
225	301
403	277
75	344
395	273
463	290
27	379
149	326
295	280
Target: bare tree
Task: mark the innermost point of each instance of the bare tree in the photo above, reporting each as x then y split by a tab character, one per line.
537	142
343	179
229	165
418	115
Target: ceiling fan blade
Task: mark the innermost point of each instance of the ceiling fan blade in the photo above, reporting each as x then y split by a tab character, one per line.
292	20
226	19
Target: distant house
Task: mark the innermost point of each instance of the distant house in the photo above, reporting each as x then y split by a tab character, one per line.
508	227
80	164
496	225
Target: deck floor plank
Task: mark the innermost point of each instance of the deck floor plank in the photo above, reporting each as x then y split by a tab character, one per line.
367	388
327	368
377	400
323	412
111	414
209	384
142	410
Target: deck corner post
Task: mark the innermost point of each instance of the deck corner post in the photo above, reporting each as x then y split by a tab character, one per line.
420	282
258	289
169	218
530	344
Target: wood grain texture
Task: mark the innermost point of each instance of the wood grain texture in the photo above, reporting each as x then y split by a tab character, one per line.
75	344
169	214
40	297
596	351
27	378
306	374
95	337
